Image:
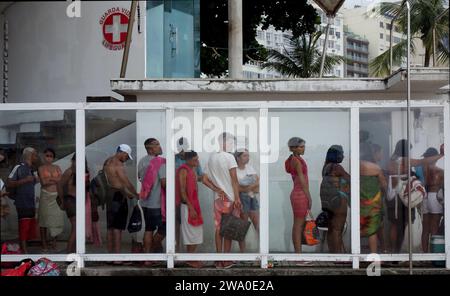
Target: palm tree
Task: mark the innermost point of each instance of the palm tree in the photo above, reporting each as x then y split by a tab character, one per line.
426	16
301	58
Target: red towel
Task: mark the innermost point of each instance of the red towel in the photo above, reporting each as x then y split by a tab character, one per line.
150	177
192	193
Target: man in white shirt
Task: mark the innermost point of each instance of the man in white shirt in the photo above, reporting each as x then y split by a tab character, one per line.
221	170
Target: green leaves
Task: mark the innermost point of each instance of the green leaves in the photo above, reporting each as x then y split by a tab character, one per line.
301	58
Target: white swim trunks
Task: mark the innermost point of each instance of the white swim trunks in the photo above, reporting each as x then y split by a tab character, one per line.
190	235
431	205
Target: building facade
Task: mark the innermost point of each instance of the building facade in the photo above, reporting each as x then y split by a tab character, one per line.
374	28
278	40
357	55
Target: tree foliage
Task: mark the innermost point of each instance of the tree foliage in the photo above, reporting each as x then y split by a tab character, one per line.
426	15
302	58
295	15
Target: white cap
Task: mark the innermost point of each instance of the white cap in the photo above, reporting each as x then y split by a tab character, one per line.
125	148
183	144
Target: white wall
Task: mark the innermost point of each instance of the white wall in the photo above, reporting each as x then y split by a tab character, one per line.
54	58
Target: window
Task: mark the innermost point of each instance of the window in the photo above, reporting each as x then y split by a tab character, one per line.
338	35
381	25
396	40
330	44
268	36
381	35
260	35
388	26
388	37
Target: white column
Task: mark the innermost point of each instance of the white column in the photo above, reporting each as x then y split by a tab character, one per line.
354	164
80	187
235	39
264	188
447	182
170	190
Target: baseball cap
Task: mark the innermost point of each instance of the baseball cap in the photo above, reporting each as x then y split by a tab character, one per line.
430	152
125	148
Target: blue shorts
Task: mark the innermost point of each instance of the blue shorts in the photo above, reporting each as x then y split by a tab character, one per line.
249	203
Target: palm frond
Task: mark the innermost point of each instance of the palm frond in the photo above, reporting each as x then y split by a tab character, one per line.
379	66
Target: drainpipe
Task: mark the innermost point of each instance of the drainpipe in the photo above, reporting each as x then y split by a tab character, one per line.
5	60
123	68
408	130
5	53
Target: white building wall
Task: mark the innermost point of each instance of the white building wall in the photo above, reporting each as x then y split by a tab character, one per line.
365	23
54	58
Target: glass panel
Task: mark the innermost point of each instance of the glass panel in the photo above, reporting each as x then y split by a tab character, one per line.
320	129
427	137
49	228
385	214
106	131
202	132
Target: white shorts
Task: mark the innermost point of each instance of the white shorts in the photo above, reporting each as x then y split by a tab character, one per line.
431	205
190	235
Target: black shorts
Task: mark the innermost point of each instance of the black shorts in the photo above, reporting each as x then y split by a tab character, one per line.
70	205
117	212
153	220
24	213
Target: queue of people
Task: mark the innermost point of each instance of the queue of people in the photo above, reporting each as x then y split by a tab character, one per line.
235	184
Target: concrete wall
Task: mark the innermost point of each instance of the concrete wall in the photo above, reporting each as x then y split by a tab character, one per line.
54	58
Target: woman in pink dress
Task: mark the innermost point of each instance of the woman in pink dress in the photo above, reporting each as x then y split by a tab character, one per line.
300	196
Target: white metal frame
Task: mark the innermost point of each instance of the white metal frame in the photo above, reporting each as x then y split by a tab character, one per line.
264	256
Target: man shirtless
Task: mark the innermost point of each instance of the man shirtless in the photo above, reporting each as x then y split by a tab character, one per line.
121	189
432	209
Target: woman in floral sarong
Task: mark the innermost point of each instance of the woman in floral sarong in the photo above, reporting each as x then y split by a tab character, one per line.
372	183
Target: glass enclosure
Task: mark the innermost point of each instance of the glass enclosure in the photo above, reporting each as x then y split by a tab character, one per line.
265	158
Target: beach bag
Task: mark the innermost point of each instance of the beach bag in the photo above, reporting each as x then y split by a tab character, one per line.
417	192
233	227
21	269
329	193
10	248
136	219
44	267
322	219
311	234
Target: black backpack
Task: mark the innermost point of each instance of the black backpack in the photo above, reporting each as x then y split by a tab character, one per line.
99	188
329	193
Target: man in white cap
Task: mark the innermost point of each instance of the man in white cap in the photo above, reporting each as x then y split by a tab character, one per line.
121	189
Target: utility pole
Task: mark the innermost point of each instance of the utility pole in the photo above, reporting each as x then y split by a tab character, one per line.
235	39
